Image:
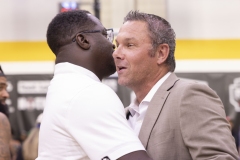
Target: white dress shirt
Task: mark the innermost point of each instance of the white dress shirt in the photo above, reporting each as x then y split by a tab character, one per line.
138	111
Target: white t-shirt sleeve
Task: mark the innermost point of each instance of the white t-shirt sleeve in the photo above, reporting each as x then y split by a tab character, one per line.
96	120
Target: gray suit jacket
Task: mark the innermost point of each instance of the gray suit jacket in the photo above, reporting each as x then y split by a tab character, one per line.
186	120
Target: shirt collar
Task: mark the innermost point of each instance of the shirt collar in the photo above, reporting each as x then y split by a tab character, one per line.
68	68
133	107
154	89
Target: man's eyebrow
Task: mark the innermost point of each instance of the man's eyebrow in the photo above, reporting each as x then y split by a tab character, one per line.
128	39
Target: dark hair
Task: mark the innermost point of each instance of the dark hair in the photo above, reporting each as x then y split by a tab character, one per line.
4	109
160	31
1	72
64	26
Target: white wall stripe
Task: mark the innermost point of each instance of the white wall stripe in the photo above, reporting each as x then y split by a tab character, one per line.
182	66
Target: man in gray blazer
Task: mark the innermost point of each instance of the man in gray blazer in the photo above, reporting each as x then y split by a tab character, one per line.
175	119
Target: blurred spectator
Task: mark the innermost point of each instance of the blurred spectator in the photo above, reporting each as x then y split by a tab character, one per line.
230	122
3	93
5	135
13	144
29	149
235	131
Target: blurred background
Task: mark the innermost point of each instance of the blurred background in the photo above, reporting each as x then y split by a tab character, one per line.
208	49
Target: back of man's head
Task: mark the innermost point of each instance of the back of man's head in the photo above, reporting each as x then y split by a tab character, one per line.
64	26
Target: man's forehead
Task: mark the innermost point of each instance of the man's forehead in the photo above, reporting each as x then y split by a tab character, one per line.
129	31
134	27
125	37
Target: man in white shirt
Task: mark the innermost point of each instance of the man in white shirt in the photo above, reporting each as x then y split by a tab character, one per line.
83	118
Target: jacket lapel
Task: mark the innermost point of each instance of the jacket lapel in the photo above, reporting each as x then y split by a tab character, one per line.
155	107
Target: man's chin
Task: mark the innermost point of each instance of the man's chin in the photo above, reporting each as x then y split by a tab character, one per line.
122	82
111	72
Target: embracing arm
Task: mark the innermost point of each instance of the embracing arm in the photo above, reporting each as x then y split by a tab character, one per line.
5	134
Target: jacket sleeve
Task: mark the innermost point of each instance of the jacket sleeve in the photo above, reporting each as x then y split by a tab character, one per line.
204	127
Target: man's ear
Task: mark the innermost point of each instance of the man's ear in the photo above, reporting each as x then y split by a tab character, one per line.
162	53
82	41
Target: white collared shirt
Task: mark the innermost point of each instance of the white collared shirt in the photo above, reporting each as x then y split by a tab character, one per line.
138	111
83	119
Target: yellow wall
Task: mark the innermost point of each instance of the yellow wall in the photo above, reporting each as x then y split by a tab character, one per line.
25	51
208	49
186	49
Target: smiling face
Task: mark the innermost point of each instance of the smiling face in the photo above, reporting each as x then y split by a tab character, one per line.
134	65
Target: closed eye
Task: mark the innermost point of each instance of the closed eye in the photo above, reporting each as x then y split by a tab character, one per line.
130	45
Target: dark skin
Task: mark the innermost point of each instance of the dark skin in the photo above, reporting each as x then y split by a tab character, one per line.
91	50
94	52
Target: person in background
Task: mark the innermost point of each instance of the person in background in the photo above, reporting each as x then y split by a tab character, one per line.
14	146
29	148
3	93
5	135
5	129
175	119
83	118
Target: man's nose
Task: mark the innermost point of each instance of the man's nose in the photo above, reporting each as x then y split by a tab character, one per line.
114	53
117	54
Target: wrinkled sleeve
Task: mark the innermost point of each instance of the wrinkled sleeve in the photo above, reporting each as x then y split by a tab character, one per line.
204	127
